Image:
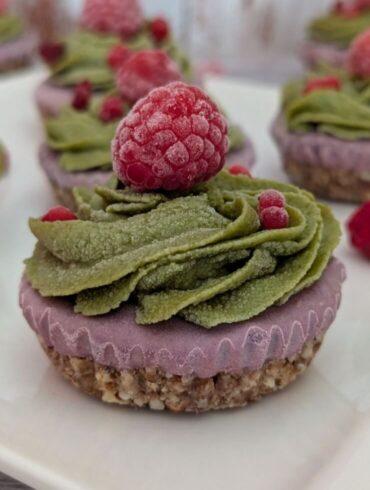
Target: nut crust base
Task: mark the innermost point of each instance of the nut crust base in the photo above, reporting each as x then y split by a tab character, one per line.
153	388
329	183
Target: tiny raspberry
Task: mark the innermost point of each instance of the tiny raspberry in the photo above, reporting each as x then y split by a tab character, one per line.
359	56
144	71
159	29
323	83
173	138
82	95
111	109
59	213
274	218
51	52
349	11
4	4
239	170
118	55
122	17
271	198
359	229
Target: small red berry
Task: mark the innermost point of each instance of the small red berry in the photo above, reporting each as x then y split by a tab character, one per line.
82	95
118	55
112	109
274	218
239	170
51	52
359	229
359	56
144	71
271	198
159	29
122	17
59	213
347	10
323	83
173	138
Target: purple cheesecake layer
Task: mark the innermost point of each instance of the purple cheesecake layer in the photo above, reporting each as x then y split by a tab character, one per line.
246	156
320	149
181	348
18	50
314	53
67	180
50	98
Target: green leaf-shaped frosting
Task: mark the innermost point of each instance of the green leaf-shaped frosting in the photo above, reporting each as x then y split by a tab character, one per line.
11	27
202	256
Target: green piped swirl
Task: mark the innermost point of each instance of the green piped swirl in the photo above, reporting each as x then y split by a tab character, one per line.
11	27
86	53
201	256
338	30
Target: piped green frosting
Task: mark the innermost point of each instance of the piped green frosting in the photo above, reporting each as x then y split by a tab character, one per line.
11	27
201	256
337	29
86	53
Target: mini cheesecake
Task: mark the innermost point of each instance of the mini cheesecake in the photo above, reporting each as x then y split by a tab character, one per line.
178	285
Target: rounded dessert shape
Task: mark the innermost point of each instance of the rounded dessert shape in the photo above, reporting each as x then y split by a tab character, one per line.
63	182
17	53
177	365
313	53
329	167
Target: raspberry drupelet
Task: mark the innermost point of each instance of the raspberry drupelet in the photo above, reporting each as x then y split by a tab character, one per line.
51	52
359	229
239	170
59	213
159	29
270	198
323	83
174	138
118	55
274	218
359	56
122	17
82	96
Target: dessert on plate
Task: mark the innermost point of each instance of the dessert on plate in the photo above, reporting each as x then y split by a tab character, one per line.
77	148
323	129
17	44
108	31
179	285
329	36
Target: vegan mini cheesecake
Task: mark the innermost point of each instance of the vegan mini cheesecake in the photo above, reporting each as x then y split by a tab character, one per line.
180	285
329	36
323	129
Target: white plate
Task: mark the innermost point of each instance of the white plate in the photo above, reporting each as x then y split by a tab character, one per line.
315	434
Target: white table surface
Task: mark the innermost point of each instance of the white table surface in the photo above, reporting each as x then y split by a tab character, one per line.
314	435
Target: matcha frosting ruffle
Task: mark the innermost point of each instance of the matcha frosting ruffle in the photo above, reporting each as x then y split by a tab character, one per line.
11	27
201	256
86	55
344	114
337	29
83	141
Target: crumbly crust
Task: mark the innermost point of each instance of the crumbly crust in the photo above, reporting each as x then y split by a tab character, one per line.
330	183
158	390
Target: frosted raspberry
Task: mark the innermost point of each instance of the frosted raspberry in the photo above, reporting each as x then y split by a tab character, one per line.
118	55
3	6
347	10
359	229
172	139
159	29
239	170
51	52
323	83
59	213
144	71
271	198
122	17
274	218
359	56
82	95
111	109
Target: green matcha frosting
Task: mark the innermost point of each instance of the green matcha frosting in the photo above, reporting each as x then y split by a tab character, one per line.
202	256
344	114
337	29
11	27
86	53
83	141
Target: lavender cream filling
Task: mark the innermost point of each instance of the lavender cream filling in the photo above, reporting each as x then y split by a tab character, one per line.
314	53
19	49
319	149
181	348
50	98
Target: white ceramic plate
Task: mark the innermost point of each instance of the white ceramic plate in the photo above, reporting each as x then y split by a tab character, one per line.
314	435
